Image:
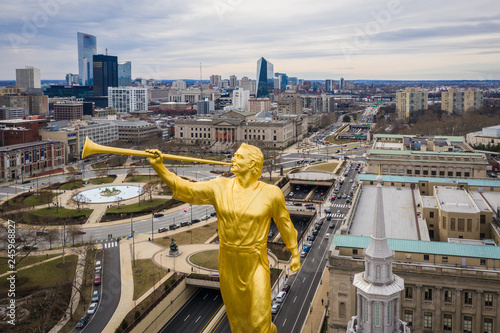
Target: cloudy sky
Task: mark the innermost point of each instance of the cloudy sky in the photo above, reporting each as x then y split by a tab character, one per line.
167	39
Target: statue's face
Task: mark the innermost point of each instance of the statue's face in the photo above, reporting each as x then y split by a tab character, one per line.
241	162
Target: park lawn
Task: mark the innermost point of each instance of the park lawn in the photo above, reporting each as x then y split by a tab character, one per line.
199	232
144	206
42	199
29	260
142	179
206	259
329	167
71	185
146	274
47	275
114	161
267	181
104	180
62	212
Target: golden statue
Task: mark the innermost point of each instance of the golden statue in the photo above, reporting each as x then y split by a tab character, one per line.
244	209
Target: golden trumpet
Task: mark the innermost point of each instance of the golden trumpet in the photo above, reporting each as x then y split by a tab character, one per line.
90	148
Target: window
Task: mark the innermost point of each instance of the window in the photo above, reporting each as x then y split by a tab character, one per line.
469	225
488	299
409	317
426	257
483	262
408	172
461	223
417	172
441	173
468	297
447	322
482	219
427	319
467	324
444	222
431	215
466	174
354	251
425	172
452	224
342	310
447	296
450	173
488	325
428	294
433	173
409	292
377	314
459	174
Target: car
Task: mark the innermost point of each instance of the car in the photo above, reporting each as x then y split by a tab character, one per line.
82	322
306	248
30	247
290	194
332	225
173	226
286	288
92	308
195	221
98	266
289	203
79	232
303	254
97	279
344	196
213	214
42	232
333	198
186	223
205	217
329	218
317	226
315	232
158	214
328	211
308	243
95	296
162	229
297	203
327	236
309	205
311	238
275	308
348	201
320	222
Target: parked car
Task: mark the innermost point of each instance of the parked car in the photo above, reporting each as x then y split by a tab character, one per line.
307	248
275	308
186	223
195	221
42	232
205	217
30	247
286	288
173	226
213	214
95	296
79	232
162	229
97	279
329	218
297	204
315	232
92	308
309	205
311	238
303	254
158	215
82	322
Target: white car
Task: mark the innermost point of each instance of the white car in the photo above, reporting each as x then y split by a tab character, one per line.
205	217
92	308
275	308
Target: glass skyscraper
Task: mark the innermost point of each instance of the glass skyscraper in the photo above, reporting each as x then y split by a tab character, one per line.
87	48
105	73
265	78
125	74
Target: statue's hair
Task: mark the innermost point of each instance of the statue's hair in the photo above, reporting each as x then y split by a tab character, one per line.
255	155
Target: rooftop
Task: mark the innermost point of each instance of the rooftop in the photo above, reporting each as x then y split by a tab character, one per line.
415	180
427	247
398	213
452	199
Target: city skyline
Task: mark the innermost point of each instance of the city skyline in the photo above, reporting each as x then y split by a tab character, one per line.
394	40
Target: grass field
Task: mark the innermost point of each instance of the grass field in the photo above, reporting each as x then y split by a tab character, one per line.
71	185
199	233
104	180
29	260
206	259
142	178
47	275
328	167
136	207
146	273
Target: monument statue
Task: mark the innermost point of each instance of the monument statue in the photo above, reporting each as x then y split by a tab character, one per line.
244	209
173	246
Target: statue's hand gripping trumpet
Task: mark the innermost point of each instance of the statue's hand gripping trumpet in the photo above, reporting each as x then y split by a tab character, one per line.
244	209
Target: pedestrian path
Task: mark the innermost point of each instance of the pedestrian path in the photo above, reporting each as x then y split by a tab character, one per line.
108	245
340	205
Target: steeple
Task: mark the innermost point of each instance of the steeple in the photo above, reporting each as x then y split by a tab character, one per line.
377	288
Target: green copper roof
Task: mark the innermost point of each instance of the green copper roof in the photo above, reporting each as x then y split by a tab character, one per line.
416	246
401	136
408	179
419	152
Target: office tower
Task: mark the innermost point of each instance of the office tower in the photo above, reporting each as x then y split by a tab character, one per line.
257	105
179	84
215	80
224	84
240	98
282	81
127	99
329	84
233	81
265	81
68	111
28	78
105	74
246	83
125	74
87	48
72	79
410	100
341	83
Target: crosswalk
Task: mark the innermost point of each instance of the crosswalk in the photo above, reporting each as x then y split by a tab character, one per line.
340	205
337	215
108	245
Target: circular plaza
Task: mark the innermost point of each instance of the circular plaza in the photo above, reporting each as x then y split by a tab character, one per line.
106	194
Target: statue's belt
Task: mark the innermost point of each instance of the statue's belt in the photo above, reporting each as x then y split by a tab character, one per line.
242	248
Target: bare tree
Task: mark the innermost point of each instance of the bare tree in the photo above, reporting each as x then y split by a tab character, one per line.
272	159
101	173
52	236
73	177
132	172
80	200
149	189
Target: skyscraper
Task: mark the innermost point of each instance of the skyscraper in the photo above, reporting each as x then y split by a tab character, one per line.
87	48
105	73
28	78
265	78
125	74
329	84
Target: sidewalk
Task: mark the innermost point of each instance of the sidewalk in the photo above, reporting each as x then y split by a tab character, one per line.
316	316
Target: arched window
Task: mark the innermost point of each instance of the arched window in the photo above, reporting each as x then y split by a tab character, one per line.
377	272
342	310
